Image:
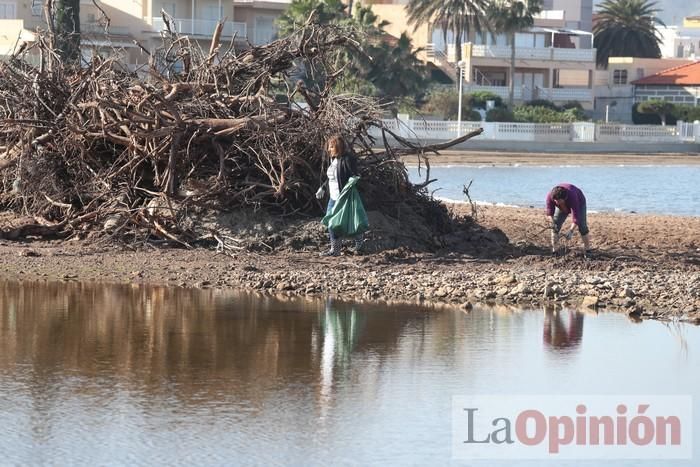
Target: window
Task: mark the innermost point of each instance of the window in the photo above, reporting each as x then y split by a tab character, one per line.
37	7
620	77
8	10
640	73
213	13
265	30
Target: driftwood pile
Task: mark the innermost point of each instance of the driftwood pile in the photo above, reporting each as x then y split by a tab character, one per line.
101	149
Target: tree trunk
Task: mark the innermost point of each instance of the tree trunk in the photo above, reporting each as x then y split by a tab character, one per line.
511	77
458	45
67	24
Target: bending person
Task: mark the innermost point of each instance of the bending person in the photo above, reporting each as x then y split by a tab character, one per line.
563	199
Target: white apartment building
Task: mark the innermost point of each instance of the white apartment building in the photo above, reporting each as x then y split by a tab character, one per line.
554	59
248	21
682	41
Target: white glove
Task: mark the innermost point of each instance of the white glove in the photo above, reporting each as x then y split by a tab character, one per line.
320	193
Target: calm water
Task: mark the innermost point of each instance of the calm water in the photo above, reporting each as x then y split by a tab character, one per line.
100	375
643	189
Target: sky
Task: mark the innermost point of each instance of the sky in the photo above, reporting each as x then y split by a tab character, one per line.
672	8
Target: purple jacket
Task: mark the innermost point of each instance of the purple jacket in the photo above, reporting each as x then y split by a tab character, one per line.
575	201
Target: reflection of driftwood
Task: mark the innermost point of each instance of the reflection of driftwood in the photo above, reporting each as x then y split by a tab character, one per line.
90	148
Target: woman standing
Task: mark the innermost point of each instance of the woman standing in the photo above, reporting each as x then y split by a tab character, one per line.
343	165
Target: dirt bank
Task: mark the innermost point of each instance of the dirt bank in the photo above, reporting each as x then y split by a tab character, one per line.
646	266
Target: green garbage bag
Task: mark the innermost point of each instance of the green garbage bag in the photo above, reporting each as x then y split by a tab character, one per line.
348	217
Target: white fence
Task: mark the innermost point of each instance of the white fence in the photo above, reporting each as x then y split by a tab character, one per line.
547	132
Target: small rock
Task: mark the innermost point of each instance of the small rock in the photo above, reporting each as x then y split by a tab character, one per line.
521	289
507	279
467	306
29	253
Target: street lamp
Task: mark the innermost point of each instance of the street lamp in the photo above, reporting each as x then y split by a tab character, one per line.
460	65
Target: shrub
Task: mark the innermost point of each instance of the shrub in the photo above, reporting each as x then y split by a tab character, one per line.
500	114
471	115
662	108
529	114
572	105
687	113
442	103
640	118
542	103
477	99
577	114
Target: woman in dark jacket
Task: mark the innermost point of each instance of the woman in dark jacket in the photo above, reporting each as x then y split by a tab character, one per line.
343	165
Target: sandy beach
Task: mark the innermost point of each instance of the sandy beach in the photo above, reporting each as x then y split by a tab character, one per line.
519	158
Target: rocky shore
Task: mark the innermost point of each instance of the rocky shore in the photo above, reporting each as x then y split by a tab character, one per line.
645	266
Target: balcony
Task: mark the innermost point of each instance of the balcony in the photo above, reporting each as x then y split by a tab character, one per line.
559	15
96	28
524	93
200	27
532	53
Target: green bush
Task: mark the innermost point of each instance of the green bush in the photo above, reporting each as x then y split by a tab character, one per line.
442	103
529	114
471	115
477	99
572	105
687	113
639	118
542	103
500	114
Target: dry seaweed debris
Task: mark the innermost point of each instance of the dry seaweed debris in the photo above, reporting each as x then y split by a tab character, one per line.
102	149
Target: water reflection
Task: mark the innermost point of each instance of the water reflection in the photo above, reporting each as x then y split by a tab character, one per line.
96	374
563	329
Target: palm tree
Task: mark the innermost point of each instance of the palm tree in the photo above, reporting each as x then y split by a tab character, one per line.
510	17
627	28
298	11
458	16
396	70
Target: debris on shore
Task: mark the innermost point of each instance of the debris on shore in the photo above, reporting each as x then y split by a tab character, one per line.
101	150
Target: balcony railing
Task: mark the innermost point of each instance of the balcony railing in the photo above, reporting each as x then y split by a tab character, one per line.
534	53
201	27
95	28
551	14
525	93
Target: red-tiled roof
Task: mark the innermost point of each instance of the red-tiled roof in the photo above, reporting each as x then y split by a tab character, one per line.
684	75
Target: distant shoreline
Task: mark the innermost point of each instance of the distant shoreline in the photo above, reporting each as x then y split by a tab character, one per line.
537	159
